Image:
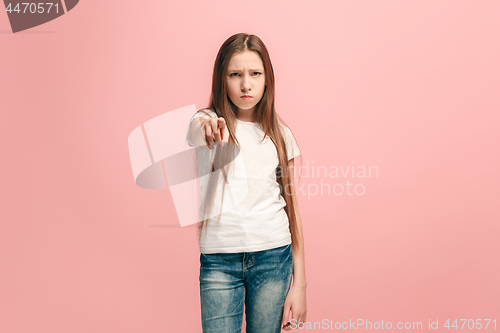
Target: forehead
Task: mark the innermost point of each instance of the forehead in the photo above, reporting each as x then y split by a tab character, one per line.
244	60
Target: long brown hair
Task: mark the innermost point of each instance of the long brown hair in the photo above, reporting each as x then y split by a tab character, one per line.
265	115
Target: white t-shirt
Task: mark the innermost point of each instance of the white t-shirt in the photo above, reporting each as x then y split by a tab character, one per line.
253	217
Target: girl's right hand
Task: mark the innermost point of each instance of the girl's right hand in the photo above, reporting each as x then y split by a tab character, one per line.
215	131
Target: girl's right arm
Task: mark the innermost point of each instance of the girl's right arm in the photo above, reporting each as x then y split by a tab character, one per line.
203	131
196	135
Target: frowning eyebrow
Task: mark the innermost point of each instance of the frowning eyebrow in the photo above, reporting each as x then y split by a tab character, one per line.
251	70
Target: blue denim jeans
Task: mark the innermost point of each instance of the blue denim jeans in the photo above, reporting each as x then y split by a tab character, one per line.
258	280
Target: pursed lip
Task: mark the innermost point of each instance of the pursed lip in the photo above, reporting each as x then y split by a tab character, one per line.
245	96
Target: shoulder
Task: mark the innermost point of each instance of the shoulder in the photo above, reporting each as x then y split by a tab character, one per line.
206	113
285	130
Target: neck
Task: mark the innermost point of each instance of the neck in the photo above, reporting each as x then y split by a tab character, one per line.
246	115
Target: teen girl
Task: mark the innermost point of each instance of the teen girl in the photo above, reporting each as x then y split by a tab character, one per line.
250	250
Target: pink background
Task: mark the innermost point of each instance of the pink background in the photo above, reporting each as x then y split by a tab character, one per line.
411	87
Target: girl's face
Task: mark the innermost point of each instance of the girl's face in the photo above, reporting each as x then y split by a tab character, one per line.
246	76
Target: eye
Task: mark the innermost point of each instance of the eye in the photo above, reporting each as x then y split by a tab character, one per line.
231	75
257	73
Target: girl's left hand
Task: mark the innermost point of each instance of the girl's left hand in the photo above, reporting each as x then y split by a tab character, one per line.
296	302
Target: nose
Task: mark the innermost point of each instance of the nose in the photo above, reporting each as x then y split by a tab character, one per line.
245	84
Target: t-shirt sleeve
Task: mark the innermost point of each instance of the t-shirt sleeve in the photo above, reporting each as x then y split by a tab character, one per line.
205	113
292	149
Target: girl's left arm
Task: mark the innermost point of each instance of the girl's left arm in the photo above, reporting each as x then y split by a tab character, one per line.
296	298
